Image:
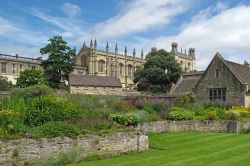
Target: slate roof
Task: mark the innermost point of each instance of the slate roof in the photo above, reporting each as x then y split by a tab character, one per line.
96	81
240	71
186	83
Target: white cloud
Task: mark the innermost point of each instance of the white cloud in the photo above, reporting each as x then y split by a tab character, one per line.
228	32
140	15
71	9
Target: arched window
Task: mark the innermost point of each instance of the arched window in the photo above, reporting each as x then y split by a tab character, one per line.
129	70
101	64
121	69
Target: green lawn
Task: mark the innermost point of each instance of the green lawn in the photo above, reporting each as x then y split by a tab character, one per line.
187	149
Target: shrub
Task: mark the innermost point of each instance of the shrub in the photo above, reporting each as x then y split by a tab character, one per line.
243	111
4	84
29	78
178	113
232	115
49	108
146	116
11	123
127	119
55	129
155	107
185	100
214	113
123	106
32	91
220	105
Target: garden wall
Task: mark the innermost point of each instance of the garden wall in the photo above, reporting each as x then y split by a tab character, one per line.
28	151
202	126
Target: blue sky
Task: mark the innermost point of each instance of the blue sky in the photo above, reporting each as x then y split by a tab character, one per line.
208	26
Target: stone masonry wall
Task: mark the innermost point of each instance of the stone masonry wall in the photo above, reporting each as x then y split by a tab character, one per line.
203	126
23	151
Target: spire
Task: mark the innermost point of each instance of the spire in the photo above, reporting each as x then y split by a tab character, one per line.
125	51
134	53
116	49
142	54
91	43
95	44
84	45
107	46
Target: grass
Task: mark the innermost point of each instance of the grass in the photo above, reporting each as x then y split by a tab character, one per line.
171	149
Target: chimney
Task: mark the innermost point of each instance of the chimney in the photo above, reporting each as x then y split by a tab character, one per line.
191	52
174	47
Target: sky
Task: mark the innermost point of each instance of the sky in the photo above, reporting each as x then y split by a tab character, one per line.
209	26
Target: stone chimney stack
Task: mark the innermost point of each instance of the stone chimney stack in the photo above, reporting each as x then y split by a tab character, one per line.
191	52
174	47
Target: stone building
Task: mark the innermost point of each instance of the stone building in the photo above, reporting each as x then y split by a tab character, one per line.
105	63
187	60
11	66
97	85
222	81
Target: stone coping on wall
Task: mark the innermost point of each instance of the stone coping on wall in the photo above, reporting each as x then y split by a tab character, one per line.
194	125
23	151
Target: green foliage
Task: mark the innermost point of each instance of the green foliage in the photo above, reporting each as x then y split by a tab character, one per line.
29	78
49	108
178	113
185	100
159	72
123	106
145	116
55	129
32	91
214	113
60	62
4	84
232	115
126	119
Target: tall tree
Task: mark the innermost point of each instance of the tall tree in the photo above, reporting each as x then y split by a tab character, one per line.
60	62
159	72
30	77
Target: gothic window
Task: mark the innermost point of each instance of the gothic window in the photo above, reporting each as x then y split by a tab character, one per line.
189	65
111	70
217	73
3	67
33	67
121	68
21	68
217	94
129	70
13	68
101	64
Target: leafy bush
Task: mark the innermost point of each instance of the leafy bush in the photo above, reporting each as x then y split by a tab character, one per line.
55	129
32	91
4	84
11	123
243	111
49	108
146	116
214	113
185	100
30	77
127	119
232	115
155	107
123	106
178	113
219	105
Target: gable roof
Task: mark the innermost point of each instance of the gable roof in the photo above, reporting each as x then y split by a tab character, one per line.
95	81
186	83
240	71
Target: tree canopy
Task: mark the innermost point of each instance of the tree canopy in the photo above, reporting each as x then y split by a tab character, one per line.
30	77
159	72
60	62
4	84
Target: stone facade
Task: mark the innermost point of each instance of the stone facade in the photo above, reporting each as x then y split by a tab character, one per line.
187	60
106	63
11	66
220	83
201	126
247	99
23	151
117	91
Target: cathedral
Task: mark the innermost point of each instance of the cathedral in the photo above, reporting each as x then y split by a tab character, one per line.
92	61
